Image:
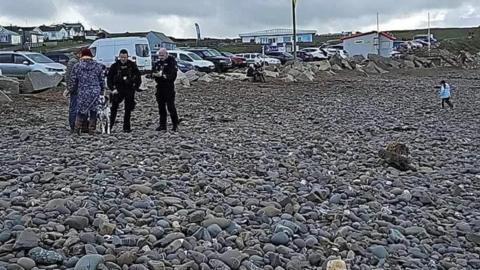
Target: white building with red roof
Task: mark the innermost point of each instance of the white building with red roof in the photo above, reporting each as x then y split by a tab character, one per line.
369	43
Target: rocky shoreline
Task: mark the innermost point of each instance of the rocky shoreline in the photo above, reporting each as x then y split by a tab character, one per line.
260	176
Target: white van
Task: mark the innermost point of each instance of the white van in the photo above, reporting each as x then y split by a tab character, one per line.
194	59
106	51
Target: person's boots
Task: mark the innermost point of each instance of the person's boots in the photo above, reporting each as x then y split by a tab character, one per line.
126	122
175	127
161	128
175	120
163	123
78	126
92	126
85	128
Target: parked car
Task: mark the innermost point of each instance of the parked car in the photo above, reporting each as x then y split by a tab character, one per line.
59	57
284	57
236	60
194	59
336	46
424	38
18	64
398	44
106	51
332	51
305	57
396	54
258	58
182	65
221	62
185	66
415	45
317	53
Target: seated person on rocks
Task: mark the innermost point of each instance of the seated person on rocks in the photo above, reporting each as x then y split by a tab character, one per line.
255	73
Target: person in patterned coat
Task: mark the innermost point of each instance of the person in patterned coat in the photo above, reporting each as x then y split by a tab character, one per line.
87	79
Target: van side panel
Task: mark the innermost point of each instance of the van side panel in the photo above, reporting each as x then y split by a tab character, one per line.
105	55
109	48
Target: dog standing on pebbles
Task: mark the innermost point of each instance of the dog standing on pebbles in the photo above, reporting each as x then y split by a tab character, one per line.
104	114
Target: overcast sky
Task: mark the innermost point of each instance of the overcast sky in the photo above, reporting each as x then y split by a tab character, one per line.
228	18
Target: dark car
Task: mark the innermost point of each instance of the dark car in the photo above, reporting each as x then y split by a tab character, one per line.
237	61
305	57
221	62
59	57
182	65
284	57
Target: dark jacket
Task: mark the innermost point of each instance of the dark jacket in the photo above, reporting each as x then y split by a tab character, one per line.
250	72
168	69
71	63
124	77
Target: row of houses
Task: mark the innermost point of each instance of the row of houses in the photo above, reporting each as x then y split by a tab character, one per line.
36	36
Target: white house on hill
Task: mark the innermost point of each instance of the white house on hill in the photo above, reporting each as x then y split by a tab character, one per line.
74	30
8	37
53	33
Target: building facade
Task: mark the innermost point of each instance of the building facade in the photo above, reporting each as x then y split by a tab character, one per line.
159	40
74	30
53	33
91	35
369	43
277	36
29	36
8	37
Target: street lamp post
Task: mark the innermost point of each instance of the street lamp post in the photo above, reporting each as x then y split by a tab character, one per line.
294	3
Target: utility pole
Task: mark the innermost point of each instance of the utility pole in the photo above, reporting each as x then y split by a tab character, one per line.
378	33
429	36
294	4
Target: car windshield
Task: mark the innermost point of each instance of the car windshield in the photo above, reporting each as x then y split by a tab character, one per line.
207	53
40	58
194	56
214	52
228	54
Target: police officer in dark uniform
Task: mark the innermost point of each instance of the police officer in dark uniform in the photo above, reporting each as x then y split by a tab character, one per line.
165	73
124	78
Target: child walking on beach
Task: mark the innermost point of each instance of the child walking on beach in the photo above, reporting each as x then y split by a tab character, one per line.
445	94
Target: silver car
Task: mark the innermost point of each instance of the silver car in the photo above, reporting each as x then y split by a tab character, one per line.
18	64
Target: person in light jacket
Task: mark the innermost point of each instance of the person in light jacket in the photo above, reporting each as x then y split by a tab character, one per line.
445	94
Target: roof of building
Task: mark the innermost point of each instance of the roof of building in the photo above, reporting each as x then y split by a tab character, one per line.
162	37
385	34
18	29
8	32
50	28
91	32
277	32
75	26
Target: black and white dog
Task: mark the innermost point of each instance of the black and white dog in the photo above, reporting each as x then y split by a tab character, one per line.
103	114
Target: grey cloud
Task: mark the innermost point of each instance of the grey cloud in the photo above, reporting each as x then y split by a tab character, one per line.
231	17
27	9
